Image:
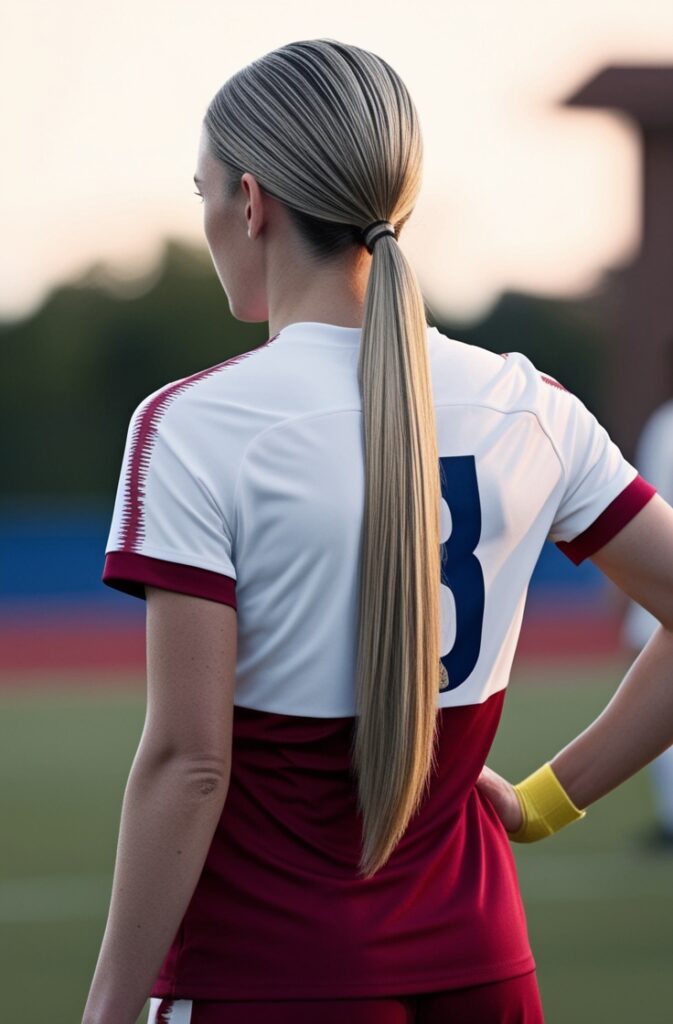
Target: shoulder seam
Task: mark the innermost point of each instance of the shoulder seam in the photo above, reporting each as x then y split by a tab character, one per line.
330	412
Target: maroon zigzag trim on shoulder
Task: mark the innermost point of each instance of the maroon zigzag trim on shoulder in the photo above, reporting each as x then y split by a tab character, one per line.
554	383
142	442
164	1011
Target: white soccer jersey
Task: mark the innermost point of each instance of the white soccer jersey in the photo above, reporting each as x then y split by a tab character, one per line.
244	483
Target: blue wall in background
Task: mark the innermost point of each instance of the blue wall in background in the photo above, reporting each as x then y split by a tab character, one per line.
52	555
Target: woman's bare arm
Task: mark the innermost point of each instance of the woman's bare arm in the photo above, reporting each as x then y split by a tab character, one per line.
637	724
634	728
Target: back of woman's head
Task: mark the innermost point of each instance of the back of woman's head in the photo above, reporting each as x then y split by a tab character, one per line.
330	131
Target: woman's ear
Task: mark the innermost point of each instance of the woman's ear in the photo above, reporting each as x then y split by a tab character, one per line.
254	209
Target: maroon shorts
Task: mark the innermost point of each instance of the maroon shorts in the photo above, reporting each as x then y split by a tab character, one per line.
512	1001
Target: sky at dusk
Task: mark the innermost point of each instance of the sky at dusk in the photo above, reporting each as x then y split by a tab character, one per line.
102	105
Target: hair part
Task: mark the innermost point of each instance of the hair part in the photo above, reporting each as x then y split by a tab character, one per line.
330	130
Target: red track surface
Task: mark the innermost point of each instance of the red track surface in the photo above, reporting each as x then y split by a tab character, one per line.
82	642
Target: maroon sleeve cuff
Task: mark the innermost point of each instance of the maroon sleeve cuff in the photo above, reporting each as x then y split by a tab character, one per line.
611	520
129	571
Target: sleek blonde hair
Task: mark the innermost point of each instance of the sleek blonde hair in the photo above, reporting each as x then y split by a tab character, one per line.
330	130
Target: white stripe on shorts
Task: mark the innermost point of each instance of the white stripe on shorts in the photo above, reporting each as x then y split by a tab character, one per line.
173	1011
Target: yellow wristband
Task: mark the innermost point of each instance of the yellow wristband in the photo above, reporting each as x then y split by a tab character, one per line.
545	805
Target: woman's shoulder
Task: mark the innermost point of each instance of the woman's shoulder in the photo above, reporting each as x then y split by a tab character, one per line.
468	373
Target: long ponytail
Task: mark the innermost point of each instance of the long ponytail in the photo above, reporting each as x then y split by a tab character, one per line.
331	131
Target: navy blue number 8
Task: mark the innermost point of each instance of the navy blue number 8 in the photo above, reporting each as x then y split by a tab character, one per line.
461	570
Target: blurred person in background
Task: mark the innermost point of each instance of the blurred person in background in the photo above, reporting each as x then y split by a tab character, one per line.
654	460
334	533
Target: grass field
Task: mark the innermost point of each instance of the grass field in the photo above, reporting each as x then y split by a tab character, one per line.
600	910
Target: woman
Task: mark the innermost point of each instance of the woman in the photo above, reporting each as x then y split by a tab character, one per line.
308	831
654	458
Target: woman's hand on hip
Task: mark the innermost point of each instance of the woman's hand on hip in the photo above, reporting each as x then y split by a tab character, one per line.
501	794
